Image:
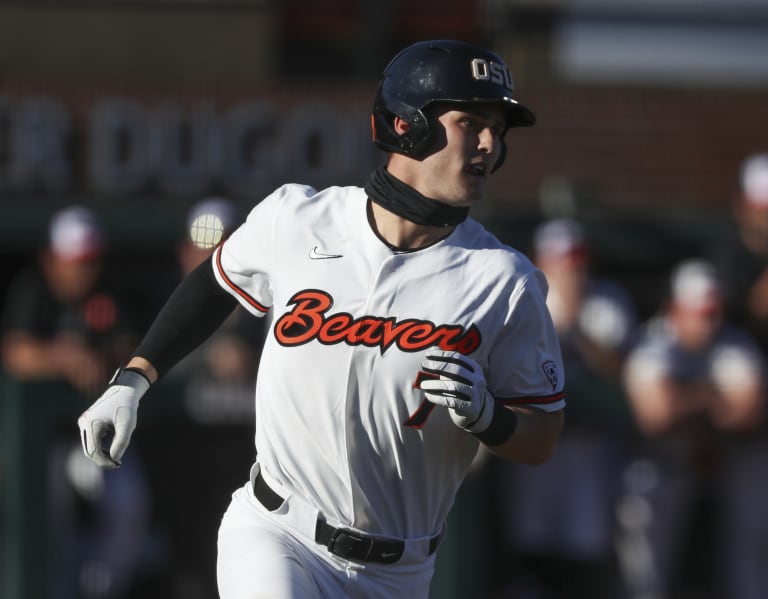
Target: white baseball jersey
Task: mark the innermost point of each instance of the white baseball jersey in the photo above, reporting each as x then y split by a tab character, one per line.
340	420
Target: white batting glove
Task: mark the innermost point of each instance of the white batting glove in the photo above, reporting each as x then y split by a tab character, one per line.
460	387
114	412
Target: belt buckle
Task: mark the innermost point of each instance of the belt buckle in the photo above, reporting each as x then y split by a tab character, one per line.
348	544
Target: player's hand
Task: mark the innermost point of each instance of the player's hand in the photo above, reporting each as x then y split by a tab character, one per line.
460	387
113	413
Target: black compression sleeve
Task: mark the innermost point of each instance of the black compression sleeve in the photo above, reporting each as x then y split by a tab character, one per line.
193	312
502	426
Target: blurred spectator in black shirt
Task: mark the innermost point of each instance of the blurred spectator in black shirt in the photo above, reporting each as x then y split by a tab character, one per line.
697	386
63	323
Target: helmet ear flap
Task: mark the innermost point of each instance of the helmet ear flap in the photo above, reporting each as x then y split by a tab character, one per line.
415	142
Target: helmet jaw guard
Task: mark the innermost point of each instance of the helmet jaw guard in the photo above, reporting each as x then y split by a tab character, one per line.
439	71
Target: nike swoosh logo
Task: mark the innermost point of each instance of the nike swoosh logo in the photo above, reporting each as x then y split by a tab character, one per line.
389	554
315	255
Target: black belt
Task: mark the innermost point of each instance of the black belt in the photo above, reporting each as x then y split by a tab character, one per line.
343	542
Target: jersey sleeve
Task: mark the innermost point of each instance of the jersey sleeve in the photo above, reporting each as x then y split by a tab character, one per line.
244	263
525	363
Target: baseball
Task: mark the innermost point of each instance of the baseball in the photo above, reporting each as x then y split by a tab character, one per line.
206	231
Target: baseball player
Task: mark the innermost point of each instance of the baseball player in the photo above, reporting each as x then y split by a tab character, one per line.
402	336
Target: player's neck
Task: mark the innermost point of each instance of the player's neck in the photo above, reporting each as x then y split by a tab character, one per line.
400	233
397	191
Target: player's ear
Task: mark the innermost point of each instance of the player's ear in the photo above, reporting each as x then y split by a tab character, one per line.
401	126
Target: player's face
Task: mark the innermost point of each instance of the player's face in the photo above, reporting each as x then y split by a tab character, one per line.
71	280
457	174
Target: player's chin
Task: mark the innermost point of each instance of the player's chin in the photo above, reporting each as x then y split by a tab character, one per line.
475	187
464	193
473	195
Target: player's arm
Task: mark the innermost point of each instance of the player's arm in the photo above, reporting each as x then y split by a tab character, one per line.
534	436
194	311
197	307
520	434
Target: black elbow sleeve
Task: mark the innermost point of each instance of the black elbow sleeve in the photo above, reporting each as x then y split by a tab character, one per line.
196	308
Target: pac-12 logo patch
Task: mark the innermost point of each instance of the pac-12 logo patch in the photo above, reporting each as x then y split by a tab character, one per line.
550	371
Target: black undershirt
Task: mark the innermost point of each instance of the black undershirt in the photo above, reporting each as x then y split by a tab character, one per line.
197	307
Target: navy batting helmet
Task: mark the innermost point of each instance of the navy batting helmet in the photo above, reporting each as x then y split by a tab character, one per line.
439	71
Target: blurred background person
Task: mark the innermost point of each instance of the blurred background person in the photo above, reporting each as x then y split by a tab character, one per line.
213	422
742	262
742	259
64	323
559	517
220	375
696	385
